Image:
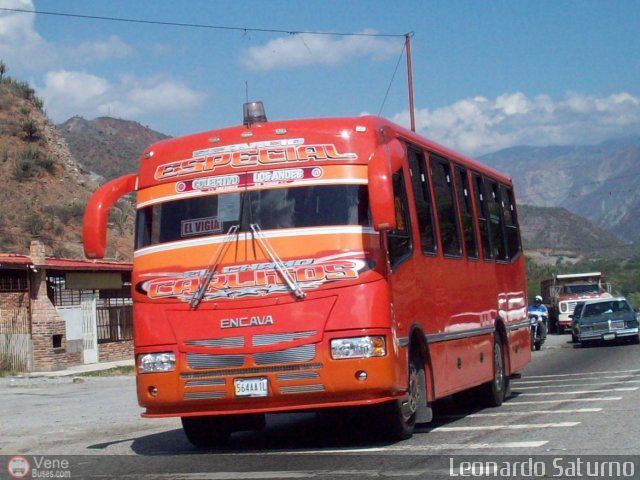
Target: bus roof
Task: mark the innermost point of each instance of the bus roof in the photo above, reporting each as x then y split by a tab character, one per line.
367	129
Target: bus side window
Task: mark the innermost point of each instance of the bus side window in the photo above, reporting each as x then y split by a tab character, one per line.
510	221
399	240
483	216
497	223
446	205
466	213
422	200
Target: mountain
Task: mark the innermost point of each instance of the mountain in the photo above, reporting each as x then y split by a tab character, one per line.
44	190
111	147
550	233
598	182
107	146
49	173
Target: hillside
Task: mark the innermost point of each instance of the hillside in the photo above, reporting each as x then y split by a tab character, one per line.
44	190
550	233
106	146
597	182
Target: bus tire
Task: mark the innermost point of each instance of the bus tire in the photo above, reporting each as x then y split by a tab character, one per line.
399	416
207	432
493	393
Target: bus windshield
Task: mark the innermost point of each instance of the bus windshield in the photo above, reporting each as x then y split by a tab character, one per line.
293	207
577	289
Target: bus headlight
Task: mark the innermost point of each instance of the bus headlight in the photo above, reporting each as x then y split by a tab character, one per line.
157	362
358	347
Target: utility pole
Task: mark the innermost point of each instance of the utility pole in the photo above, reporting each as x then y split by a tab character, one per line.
407	44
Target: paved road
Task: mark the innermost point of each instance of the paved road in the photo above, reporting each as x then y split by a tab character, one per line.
569	401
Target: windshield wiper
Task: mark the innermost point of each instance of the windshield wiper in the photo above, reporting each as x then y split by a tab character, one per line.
222	249
289	280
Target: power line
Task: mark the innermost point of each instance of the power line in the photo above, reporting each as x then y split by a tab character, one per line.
392	78
199	25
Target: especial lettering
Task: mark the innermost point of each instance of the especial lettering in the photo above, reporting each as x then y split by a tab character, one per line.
210	160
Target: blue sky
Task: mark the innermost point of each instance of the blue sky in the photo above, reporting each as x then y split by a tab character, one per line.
487	74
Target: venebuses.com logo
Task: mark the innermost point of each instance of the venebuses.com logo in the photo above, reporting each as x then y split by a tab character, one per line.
38	467
18	467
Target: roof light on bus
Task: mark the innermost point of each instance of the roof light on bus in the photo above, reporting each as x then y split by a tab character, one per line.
148	154
361	128
253	112
281	131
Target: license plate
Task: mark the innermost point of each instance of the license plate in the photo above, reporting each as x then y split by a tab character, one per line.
609	336
251	387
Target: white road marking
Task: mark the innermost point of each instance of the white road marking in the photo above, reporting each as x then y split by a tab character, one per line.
572	400
523	426
406	449
589	374
530	412
559	380
580	392
518	387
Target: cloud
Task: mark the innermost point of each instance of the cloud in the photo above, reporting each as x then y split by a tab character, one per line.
22	47
86	52
20	44
480	125
311	49
68	93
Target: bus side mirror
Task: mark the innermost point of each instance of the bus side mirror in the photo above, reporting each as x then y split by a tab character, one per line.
386	159
94	224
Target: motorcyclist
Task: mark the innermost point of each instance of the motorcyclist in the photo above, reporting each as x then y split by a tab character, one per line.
539	307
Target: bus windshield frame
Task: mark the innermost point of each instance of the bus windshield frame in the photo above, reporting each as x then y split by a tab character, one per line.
271	209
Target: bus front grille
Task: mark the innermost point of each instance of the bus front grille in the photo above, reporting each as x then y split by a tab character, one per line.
203	395
291	355
301	354
199	360
302	389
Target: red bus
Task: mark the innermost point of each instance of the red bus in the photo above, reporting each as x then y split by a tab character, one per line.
317	264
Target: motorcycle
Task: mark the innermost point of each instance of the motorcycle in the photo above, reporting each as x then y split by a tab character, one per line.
537	321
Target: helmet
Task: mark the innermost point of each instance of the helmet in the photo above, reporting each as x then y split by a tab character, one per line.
538	298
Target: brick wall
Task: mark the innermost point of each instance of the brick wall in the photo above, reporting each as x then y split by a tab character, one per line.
108	352
45	325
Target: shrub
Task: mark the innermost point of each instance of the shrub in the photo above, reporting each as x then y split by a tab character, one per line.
47	164
38	103
34	223
23	168
66	213
29	128
30	161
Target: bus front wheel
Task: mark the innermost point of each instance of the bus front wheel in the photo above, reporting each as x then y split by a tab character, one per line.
207	432
399	417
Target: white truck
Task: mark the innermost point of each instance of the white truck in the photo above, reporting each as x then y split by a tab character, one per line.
562	292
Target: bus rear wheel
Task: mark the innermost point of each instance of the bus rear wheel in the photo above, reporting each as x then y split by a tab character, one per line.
493	393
